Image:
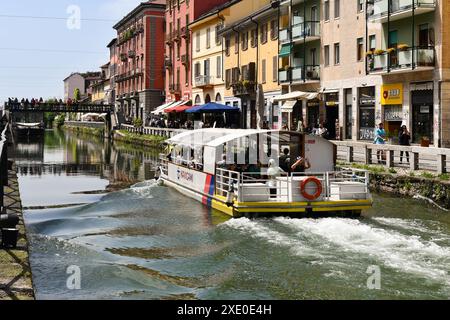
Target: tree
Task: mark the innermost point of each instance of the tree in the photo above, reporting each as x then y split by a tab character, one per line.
77	94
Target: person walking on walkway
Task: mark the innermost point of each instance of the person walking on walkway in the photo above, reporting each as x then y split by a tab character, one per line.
404	138
380	139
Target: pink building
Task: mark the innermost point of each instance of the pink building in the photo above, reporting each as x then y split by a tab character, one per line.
179	14
139	71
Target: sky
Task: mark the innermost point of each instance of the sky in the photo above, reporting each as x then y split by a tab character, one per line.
41	43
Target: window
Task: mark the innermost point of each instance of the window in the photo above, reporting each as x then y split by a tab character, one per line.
337	9
254	38
244	41
326	10
197	41
360	5
197	69
327	55
236	44
264	33
227	46
208	38
206	66
218	37
228	78
219	67
337	54
218	97
372	42
263	67
275	68
274	29
360	49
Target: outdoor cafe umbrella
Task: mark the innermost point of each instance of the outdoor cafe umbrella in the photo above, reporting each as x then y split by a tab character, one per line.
212	107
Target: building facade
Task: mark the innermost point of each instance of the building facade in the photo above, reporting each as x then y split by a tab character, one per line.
71	83
113	64
178	53
250	37
371	62
139	80
208	83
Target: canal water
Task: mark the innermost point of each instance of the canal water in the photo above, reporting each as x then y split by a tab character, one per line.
151	242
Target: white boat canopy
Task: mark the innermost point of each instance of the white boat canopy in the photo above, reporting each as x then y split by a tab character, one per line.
297	95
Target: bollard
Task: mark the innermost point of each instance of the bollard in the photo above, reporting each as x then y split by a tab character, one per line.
441	163
8	220
350	154
414	161
390	158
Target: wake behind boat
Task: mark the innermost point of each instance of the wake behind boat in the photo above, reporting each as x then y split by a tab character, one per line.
237	172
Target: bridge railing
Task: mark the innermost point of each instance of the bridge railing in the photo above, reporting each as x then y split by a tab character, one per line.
58	107
395	156
162	132
3	160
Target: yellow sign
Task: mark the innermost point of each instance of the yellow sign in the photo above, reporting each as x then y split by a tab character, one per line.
392	94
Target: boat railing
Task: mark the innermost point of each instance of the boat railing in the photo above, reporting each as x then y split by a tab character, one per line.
342	184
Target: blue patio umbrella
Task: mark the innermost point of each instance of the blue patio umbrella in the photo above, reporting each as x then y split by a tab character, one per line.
212	107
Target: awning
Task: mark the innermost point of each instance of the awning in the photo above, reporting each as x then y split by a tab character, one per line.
184	105
288	106
285	50
211	108
161	108
297	95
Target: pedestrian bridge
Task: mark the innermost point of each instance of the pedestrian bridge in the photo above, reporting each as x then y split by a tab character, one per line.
58	107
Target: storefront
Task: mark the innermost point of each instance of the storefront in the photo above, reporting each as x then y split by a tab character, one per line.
313	113
422	112
392	103
366	101
332	113
348	94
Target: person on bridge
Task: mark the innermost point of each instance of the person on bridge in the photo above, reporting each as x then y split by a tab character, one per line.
380	138
404	138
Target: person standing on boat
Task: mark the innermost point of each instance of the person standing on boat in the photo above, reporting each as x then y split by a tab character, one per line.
273	173
285	160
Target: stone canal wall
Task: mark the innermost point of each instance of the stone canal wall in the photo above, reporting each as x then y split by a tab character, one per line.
15	272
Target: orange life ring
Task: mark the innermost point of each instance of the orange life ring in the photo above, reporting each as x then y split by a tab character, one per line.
318	184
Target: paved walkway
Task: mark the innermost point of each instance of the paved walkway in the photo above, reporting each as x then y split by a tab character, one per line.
15	272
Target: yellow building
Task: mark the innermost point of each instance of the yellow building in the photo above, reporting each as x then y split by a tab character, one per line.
250	36
208	83
101	88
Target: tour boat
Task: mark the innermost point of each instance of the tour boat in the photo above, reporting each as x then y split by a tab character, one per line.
227	170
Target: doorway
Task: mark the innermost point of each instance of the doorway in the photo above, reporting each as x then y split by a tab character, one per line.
422	105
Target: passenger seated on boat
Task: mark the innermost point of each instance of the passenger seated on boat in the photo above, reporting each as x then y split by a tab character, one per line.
285	160
222	164
300	165
273	173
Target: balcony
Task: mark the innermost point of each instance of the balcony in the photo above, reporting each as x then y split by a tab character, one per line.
381	11
185	59
175	88
308	31
203	81
168	63
169	39
399	61
176	35
131	53
244	88
185	33
123	57
307	73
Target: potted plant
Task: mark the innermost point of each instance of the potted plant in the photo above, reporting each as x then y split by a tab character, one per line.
425	142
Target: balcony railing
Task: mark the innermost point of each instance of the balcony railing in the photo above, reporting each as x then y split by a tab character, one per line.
381	8
306	30
300	73
244	88
203	81
409	58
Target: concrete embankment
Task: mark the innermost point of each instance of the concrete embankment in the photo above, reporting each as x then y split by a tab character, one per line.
15	272
145	140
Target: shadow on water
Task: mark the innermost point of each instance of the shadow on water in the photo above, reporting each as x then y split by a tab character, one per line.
151	242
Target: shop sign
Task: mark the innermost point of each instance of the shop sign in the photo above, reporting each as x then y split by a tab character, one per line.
393	113
312	104
367	101
331	103
392	94
424	109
